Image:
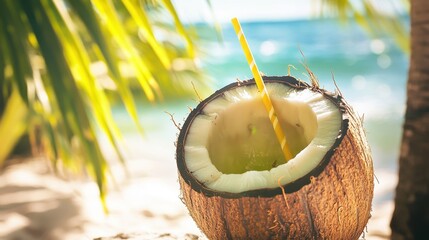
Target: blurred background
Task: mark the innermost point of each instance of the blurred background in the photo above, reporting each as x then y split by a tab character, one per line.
369	67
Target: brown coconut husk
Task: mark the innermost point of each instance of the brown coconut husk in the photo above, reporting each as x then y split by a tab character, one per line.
333	201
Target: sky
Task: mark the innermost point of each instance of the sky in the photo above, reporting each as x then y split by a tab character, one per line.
244	10
254	10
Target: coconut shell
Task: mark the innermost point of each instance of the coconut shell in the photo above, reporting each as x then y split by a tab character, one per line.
333	201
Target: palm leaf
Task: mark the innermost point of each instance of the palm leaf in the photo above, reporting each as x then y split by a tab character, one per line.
14	115
180	28
95	29
78	59
65	91
140	16
143	75
13	38
48	48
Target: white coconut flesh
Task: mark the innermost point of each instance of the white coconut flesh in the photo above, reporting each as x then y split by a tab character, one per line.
231	146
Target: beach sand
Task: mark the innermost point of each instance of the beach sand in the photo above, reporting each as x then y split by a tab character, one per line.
36	204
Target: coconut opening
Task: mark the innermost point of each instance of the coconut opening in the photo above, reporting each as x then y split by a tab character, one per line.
231	146
242	137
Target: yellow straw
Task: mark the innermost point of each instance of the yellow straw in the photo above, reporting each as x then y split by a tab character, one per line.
261	87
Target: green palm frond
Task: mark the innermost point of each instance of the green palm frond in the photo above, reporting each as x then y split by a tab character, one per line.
14	115
49	50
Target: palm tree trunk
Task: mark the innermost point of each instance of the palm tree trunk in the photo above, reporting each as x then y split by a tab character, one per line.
411	216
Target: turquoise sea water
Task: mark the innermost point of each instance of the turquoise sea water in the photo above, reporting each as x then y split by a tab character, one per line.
371	74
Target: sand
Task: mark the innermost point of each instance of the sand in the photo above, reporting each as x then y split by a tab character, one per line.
35	204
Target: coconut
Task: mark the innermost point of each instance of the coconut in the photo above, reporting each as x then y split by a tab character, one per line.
237	184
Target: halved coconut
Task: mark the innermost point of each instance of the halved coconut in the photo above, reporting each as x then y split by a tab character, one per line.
237	184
